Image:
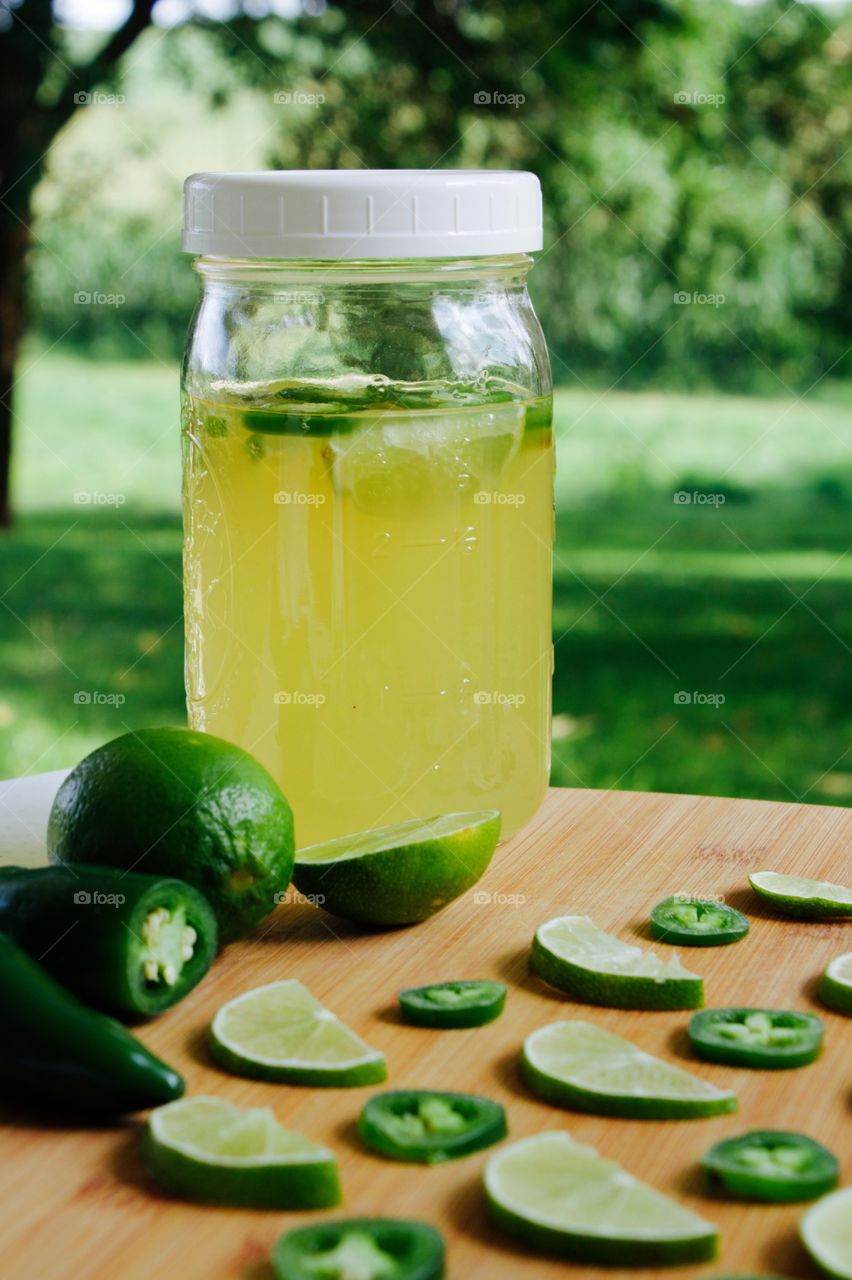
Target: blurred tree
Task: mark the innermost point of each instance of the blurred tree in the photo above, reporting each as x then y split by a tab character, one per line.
39	91
694	148
688	149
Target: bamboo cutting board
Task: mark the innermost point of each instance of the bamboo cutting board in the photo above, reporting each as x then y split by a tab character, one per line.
78	1203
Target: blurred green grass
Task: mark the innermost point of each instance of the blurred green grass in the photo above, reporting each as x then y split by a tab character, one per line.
745	598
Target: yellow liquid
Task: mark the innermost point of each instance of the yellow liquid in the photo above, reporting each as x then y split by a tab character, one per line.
368	610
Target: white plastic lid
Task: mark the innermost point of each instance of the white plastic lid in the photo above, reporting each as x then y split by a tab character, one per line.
362	213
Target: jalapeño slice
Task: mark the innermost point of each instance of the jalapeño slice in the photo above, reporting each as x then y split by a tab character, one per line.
269	422
427	1127
771	1165
770	1038
697	922
122	941
366	1248
453	1004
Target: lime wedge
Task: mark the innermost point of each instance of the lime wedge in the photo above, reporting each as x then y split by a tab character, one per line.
805	899
835	988
555	1193
399	874
582	1066
206	1149
571	953
398	464
826	1231
281	1032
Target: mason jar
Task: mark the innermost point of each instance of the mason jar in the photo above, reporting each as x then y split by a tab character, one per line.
368	490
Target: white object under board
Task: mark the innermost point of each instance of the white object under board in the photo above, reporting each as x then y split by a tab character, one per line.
25	805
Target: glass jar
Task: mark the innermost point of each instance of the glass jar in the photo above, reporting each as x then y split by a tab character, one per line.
368	491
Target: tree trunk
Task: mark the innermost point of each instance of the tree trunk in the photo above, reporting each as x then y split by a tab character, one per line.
14	240
29	61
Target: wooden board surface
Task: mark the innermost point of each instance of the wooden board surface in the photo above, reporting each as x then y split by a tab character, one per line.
79	1204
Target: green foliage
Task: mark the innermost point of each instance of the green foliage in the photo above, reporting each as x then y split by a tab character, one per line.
693	148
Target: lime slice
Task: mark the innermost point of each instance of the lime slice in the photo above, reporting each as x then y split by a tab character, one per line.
555	1193
579	1065
571	953
826	1231
835	988
398	464
281	1032
399	874
805	899
206	1149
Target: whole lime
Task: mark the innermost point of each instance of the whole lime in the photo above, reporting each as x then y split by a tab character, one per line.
180	803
